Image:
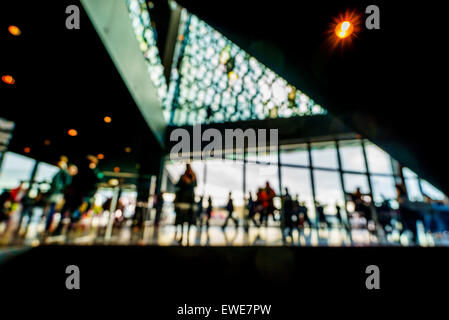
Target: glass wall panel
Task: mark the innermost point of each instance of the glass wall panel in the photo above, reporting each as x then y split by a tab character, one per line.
45	172
412	185
263	156
354	181
383	188
430	191
297	180
328	190
352	156
15	168
223	176
324	155
413	190
378	160
297	155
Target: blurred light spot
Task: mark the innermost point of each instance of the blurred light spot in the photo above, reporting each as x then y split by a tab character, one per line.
8	79
107	119
113	182
72	132
47	142
100	156
27	150
344	29
14	30
127	149
116	169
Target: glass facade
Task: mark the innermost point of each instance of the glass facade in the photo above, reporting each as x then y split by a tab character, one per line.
295	173
15	168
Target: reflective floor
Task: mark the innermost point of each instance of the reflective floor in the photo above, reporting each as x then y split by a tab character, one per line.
94	230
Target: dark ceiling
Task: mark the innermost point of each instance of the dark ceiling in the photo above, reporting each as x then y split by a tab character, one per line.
388	84
65	79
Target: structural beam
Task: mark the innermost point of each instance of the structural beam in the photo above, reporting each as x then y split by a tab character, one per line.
111	20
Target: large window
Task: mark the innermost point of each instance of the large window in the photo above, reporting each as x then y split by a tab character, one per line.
412	185
218	177
15	168
45	172
324	155
328	190
354	181
351	154
296	155
222	177
383	188
431	191
378	160
297	180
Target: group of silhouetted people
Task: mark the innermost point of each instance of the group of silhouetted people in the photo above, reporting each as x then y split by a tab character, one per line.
71	193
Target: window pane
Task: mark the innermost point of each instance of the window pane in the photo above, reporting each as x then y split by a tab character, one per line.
413	190
223	176
354	181
297	180
352	156
45	172
383	188
268	156
324	155
431	191
328	190
15	168
378	160
295	156
408	173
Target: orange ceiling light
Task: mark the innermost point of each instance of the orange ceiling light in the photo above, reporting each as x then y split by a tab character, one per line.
14	30
8	79
344	28
72	133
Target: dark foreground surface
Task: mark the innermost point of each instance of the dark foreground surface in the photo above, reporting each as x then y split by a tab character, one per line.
153	282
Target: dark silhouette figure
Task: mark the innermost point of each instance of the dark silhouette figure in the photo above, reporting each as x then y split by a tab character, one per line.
230	209
185	201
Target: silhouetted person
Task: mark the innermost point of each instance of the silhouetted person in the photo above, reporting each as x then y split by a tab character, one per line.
158	204
252	210
270	194
199	211
409	216
230	209
209	210
81	190
288	213
184	201
60	181
321	214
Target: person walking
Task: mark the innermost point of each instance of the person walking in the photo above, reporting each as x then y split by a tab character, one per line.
230	209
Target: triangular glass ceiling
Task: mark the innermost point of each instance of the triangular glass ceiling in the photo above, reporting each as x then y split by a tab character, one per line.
212	79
